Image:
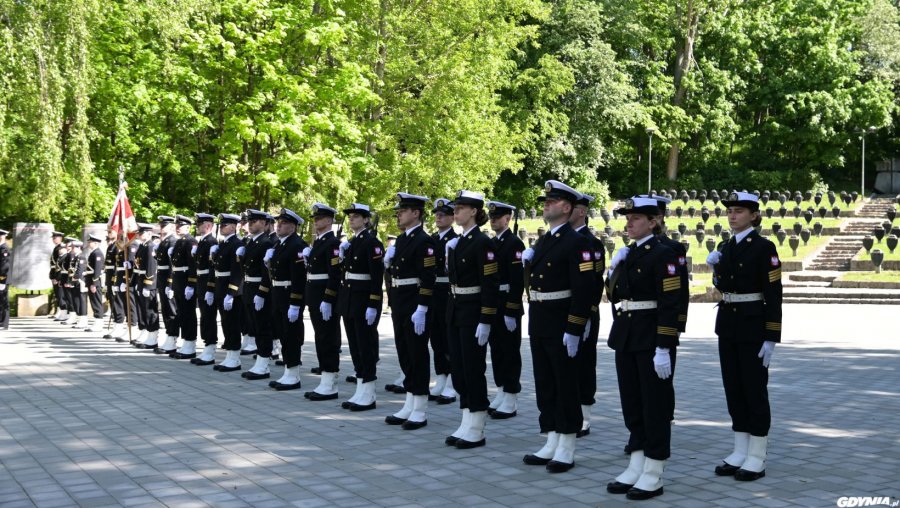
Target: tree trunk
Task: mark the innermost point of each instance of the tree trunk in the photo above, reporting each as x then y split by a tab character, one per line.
689	20
375	115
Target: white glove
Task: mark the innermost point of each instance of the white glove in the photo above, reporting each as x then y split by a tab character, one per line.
122	287
268	256
389	255
115	288
618	257
128	265
451	244
228	302
170	251
713	258
258	303
188	292
587	330
325	309
2	287
145	292
241	250
306	252
768	348
293	313
213	249
209	298
418	319
510	323
170	293
571	343
482	333
371	314
344	246
193	250
527	255
662	363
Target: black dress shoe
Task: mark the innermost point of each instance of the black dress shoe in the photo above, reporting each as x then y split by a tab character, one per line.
273	384
181	356
432	397
639	495
245	352
462	444
222	368
144	346
394	420
164	351
491	410
618	487
726	469
360	407
282	387
350	379
534	460
316	370
398	389
408	425
346	404
279	362
500	415
451	440
320	396
742	475
445	400
107	336
253	376
555	466
121	339
201	363
583	432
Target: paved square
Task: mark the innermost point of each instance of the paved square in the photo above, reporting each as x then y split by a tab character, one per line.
89	422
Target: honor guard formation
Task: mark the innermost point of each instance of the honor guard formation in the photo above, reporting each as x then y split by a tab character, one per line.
453	294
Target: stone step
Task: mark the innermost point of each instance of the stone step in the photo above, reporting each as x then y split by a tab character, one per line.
813	277
805	284
867	301
849	293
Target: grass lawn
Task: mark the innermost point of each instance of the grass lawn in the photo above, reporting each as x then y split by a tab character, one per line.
786	254
618	225
885	276
700	283
888	256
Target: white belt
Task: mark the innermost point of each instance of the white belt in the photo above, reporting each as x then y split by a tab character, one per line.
202	272
628	305
222	274
741	297
504	287
538	296
281	283
253	280
317	276
120	269
140	272
163	267
180	269
405	282
445	280
357	276
471	290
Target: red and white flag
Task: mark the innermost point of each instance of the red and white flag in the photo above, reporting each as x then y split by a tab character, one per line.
122	218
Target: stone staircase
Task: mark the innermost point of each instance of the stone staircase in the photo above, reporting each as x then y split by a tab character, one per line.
838	252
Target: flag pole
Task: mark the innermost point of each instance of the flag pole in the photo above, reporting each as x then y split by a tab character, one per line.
125	245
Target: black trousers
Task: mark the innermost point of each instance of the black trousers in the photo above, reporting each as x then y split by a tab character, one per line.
60	293
647	402
96	299
209	329
167	306
185	315
70	300
468	363
363	342
147	314
4	308
248	320
415	361
587	363
291	334
438	313
555	386
745	381
264	323
116	303
231	323
328	337
78	300
506	356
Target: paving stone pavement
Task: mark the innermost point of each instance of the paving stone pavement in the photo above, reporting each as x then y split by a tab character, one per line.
88	422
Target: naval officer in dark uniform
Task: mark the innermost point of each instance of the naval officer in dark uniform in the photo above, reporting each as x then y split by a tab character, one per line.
442	391
643	290
748	273
206	282
257	284
93	279
561	267
227	294
183	275
287	268
113	296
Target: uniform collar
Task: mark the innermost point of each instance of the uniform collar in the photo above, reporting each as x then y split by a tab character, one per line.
743	234
555	229
227	238
473	228
644	240
442	234
499	236
411	230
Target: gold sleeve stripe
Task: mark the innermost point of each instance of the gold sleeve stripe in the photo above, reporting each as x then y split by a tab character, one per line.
330	292
490	269
264	289
514	306
425	292
232	287
666	330
585	267
297	295
192	279
374	297
488	310
775	275
775	327
335	261
376	257
516	262
577	320
594	308
428	261
211	284
682	318
148	281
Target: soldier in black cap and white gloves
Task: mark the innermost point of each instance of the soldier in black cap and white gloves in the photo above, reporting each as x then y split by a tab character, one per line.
442	391
474	285
183	274
323	279
93	278
748	273
643	289
359	302
587	351
4	275
411	263
561	283
56	255
287	268
113	296
167	306
144	287
196	290
229	277
257	284
506	331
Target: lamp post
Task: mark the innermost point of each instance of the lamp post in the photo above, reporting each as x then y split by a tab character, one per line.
862	185
650	131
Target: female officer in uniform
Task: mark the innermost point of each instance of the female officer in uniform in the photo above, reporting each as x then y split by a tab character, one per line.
643	288
748	273
474	286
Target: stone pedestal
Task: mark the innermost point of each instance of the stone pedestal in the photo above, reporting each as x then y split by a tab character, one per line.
32	305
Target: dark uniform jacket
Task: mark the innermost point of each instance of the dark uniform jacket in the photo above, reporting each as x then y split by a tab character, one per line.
227	260
56	259
287	265
473	263
94	271
186	273
254	254
163	260
650	272
364	256
109	264
414	258
122	255
324	259
684	295
4	263
510	272
562	261
750	266
75	269
65	267
145	259
596	246
203	266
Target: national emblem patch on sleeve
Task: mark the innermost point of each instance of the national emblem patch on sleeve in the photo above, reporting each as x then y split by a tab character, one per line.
377	250
490	255
519	255
430	251
775	261
681	260
336	252
585	255
670	268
